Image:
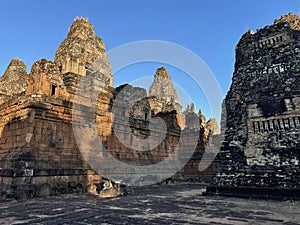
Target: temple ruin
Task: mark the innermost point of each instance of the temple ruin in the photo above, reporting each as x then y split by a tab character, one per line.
39	155
260	155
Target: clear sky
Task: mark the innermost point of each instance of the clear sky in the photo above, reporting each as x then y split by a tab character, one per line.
31	30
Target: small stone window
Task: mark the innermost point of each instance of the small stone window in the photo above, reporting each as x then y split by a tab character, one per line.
263	126
280	38
296	121
146	114
254	127
53	90
258	126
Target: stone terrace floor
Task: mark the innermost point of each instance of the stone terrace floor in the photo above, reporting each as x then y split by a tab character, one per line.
165	204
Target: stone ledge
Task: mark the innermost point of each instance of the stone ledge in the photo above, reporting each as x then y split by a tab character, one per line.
253	192
44	172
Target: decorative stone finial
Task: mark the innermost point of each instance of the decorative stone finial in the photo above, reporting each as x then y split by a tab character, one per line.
81	28
162	72
292	19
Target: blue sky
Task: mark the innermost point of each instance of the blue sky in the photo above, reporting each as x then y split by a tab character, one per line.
31	30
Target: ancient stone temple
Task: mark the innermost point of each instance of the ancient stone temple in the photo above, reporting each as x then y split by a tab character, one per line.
163	96
260	155
39	154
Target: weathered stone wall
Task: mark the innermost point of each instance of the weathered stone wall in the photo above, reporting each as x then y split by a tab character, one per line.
137	119
39	155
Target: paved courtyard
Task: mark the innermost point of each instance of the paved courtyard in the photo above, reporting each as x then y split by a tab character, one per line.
166	204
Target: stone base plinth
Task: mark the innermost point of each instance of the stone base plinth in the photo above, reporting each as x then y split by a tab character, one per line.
27	183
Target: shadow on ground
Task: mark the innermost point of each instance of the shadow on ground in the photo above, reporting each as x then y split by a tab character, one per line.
164	204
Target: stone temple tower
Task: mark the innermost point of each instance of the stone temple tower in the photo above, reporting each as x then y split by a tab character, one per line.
13	81
163	96
260	155
82	52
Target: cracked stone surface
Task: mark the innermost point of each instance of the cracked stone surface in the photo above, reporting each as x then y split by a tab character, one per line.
165	204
